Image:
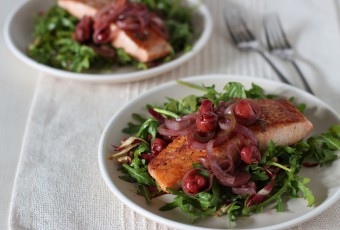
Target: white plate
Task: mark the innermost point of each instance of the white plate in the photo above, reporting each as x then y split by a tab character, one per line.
19	29
325	181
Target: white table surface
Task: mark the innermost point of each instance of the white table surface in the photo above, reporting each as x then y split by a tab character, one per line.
17	85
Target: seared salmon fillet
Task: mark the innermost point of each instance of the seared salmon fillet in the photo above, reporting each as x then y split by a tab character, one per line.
279	121
81	8
146	49
170	165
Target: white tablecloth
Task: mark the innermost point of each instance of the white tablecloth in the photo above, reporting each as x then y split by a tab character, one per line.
58	184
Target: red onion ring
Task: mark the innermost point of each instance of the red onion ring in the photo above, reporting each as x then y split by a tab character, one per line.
194	143
245	136
202	137
225	177
130	16
177	124
168	132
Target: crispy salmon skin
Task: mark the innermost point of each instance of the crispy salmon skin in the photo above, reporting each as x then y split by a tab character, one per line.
279	121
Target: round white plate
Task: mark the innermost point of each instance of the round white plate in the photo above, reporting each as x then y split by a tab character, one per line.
325	181
18	32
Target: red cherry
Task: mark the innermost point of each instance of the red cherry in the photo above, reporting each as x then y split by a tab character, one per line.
207	122
250	154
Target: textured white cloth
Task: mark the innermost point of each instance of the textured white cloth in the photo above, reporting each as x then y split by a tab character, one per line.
58	184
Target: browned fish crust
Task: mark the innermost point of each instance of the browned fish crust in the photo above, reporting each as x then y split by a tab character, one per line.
174	162
281	122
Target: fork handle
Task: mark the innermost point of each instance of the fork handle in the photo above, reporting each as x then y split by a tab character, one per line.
308	88
277	71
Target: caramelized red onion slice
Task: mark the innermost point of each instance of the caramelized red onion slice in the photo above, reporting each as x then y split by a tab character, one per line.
202	137
223	107
228	122
222	137
177	124
195	144
173	133
135	17
225	177
157	25
245	136
129	16
84	29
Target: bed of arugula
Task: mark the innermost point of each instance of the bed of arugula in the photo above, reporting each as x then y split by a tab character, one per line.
54	46
317	150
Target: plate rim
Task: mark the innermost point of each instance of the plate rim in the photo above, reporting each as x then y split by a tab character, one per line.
171	223
199	44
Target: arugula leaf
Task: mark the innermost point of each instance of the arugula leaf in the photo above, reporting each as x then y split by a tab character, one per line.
322	147
307	194
233	210
233	90
256	92
200	205
230	90
140	174
148	127
182	107
335	132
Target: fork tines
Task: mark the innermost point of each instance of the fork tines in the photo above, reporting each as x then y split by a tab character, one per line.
279	45
237	27
275	35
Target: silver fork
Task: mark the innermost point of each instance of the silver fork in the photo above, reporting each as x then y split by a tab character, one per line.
279	45
244	39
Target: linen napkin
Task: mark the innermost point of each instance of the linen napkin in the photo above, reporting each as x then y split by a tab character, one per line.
58	184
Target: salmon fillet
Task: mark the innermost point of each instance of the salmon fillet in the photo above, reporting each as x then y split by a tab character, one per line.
81	8
279	121
170	165
146	49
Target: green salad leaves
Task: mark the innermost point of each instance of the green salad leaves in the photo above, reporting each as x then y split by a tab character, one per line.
53	44
282	181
